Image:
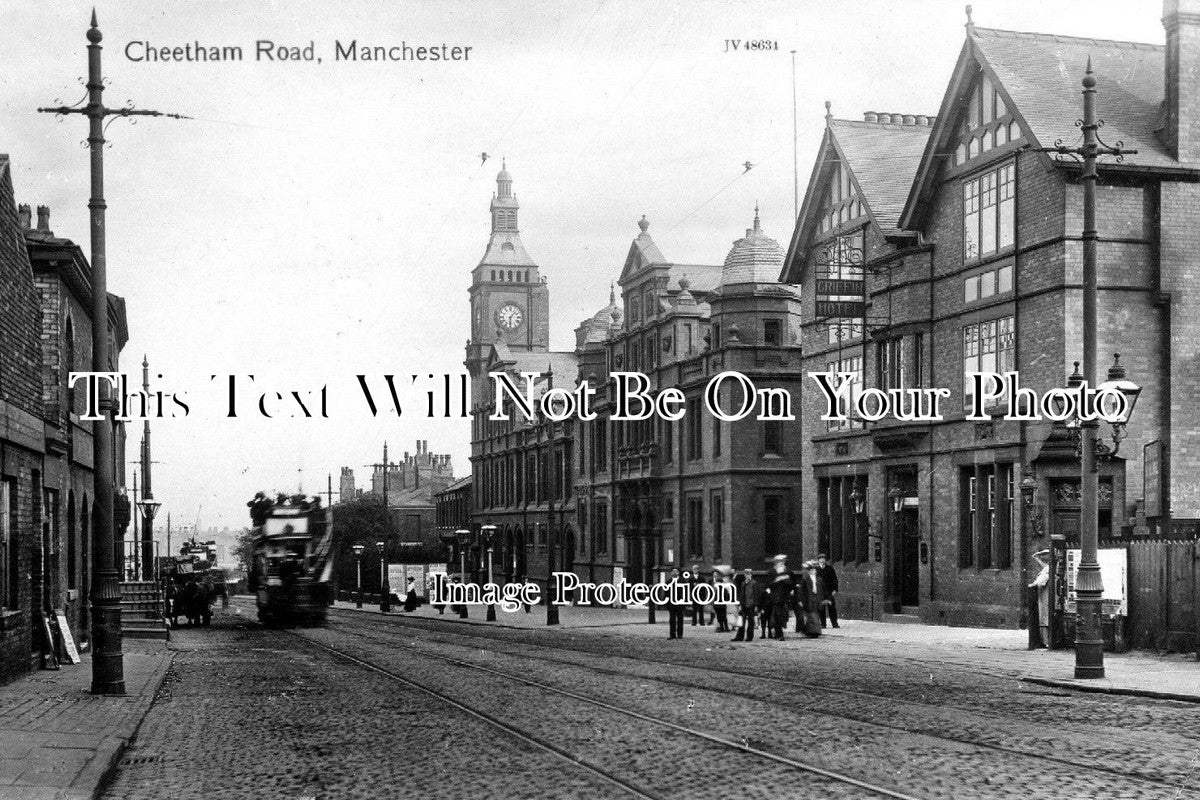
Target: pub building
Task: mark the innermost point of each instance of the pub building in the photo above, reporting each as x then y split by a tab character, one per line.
932	247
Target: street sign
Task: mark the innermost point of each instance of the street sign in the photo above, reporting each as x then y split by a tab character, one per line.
841	308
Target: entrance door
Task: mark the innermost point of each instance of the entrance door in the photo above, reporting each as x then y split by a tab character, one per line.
908	570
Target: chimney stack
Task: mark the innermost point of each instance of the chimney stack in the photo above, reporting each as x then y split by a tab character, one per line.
1181	19
25	216
43	213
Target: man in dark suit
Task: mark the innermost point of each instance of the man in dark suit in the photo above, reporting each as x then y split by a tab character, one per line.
674	610
749	603
697	608
828	603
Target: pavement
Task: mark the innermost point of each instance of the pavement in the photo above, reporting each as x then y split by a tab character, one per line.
57	740
1137	673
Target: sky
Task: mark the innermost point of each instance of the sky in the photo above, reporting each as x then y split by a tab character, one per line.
317	221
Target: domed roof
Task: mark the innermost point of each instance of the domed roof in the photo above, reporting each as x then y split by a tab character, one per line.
755	258
604	320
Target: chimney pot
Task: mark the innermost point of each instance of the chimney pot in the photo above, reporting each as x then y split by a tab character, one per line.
870	116
885	118
910	119
43	213
922	119
25	216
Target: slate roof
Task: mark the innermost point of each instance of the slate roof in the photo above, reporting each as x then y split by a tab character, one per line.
1042	74
504	249
701	277
884	158
564	365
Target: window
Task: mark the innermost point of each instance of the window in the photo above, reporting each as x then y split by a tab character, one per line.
694	429
668	507
716	436
10	569
695	526
600	528
987	284
853	365
841	530
890	364
919	361
668	440
772	335
716	508
987	347
987	122
986	516
841	202
772	437
772	521
988	205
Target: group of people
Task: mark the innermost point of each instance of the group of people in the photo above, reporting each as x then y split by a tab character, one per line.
810	596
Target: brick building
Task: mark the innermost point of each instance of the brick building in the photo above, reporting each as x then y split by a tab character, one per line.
613	500
928	252
45	451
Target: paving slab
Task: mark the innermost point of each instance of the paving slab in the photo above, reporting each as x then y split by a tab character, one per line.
66	739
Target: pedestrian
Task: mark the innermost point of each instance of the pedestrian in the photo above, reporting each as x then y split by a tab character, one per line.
692	580
1042	584
674	609
749	599
829	580
410	595
810	591
719	610
780	591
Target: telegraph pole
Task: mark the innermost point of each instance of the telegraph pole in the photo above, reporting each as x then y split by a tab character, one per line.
147	504
1089	643
108	664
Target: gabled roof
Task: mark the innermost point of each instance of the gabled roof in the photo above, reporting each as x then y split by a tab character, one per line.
1039	76
455	486
882	158
643	252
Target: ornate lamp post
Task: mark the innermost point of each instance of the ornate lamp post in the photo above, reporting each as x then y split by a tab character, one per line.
897	499
358	551
488	531
464	538
385	601
1089	644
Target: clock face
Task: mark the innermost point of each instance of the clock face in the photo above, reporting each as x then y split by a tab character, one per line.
509	317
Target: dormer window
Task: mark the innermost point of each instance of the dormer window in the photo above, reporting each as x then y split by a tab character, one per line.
987	123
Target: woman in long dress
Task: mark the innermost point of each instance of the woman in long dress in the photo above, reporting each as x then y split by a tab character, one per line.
410	595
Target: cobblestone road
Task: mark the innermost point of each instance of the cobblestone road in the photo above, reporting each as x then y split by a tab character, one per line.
252	712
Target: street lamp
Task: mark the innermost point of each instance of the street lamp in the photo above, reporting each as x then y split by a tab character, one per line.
385	591
149	507
858	497
488	531
464	536
897	499
358	551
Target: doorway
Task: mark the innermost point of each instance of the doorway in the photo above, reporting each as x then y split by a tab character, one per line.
907	550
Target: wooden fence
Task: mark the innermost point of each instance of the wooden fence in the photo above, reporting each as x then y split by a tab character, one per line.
1164	595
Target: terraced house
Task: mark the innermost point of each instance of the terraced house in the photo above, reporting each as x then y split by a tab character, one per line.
931	248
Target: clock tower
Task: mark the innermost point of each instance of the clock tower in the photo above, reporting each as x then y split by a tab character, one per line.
509	299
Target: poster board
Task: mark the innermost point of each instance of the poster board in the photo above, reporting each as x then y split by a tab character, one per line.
64	630
1114	573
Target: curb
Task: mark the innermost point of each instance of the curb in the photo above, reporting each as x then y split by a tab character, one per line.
95	776
1109	689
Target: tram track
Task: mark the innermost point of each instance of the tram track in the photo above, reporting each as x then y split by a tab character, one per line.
860	788
402	624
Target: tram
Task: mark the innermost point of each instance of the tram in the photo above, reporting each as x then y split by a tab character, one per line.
292	563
